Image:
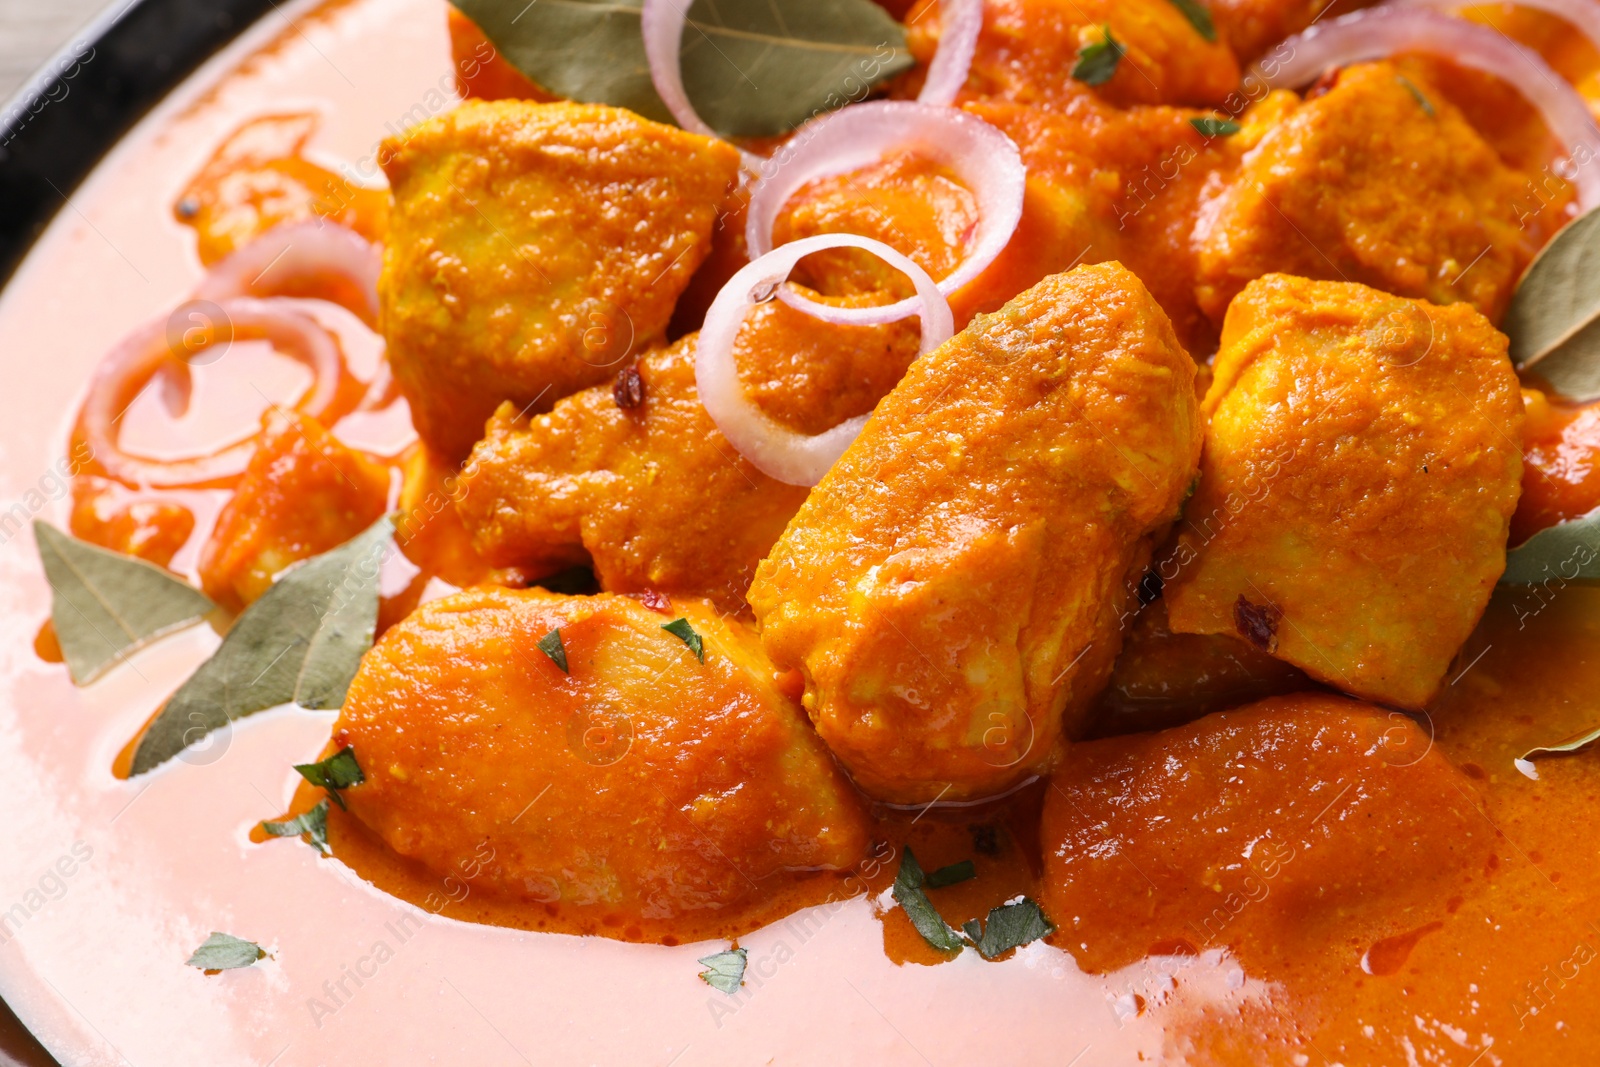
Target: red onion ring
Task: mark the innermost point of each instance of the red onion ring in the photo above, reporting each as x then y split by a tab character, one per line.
776	450
299	258
1381	31
1582	14
985	159
960	23
128	369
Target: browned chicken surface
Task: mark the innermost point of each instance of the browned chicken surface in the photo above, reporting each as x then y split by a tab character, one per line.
1373	182
951	590
634	478
1361	449
638	783
533	249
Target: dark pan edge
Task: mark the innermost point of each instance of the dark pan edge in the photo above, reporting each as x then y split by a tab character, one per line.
90	93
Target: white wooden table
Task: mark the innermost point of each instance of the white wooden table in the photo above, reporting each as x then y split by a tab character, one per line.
32	29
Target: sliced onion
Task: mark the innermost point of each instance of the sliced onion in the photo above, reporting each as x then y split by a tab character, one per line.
1382	31
302	259
985	160
776	450
129	368
960	22
1582	14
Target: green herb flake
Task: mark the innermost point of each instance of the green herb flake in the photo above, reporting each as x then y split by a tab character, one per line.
1422	101
1009	926
224	952
725	970
301	642
105	605
954	874
1553	314
313	824
910	895
1198	17
750	67
1215	127
1097	62
550	644
681	629
338	772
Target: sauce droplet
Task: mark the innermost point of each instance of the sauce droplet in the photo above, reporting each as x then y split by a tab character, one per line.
1390	954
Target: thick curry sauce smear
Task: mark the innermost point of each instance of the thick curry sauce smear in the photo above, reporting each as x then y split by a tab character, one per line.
1486	947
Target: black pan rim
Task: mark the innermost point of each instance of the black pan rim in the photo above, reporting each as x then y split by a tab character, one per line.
90	93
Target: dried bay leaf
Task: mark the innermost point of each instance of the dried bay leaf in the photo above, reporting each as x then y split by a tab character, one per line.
301	642
105	605
1554	318
1566	552
752	68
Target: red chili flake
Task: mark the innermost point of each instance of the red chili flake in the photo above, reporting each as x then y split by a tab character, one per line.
1256	623
653	600
628	389
1327	81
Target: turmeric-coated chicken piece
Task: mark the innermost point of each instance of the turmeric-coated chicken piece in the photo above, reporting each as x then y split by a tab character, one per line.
951	591
1028	48
611	775
651	494
1362	463
1294	832
1372	182
303	493
532	250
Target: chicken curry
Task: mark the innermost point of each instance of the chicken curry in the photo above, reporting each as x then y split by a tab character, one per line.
1076	511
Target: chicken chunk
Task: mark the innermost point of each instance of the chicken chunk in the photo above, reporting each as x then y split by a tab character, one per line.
652	495
951	590
1362	464
1372	182
1240	830
302	494
1027	48
532	249
620	781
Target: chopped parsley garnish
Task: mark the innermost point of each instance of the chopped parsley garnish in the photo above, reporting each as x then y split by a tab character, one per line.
338	771
1422	101
954	874
1198	17
1097	62
224	952
681	629
314	824
725	970
550	644
1215	127
1009	926
909	893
